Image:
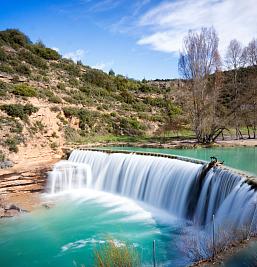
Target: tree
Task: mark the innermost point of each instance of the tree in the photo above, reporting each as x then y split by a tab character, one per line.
234	60
251	53
234	57
111	72
199	59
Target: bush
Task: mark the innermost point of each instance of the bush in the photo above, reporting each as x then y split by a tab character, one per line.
127	97
38	126
131	126
54	146
54	99
12	144
86	118
23	69
32	59
70	112
3	88
19	110
3	56
14	38
13	124
24	90
61	86
71	134
6	68
44	52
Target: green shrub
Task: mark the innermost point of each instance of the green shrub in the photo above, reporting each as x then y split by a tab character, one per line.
23	69
12	143
14	38
44	52
70	112
54	99
38	126
127	97
131	126
61	86
54	145
113	114
140	106
3	88
6	68
86	118
24	90
25	55
3	56
13	124
73	82
71	134
70	100
29	109
19	110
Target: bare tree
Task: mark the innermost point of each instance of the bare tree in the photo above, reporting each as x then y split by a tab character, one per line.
251	53
199	59
235	59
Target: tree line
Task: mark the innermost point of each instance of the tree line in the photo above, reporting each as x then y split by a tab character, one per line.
219	100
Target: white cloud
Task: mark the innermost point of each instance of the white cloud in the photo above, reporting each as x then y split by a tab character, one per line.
56	49
169	22
103	66
99	66
75	55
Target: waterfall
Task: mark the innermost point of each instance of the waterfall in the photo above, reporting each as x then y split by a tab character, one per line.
68	175
175	186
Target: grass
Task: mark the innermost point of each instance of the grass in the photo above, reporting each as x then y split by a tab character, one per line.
113	255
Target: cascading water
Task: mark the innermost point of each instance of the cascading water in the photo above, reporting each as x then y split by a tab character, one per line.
68	175
169	184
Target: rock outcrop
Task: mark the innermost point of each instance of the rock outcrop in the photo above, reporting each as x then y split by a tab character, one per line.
20	187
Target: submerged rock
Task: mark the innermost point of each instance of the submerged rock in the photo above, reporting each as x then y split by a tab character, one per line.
6	164
10	211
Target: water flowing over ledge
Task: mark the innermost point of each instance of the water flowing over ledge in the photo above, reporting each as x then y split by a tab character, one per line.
181	188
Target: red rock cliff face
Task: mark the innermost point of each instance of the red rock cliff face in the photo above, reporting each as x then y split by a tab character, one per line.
20	187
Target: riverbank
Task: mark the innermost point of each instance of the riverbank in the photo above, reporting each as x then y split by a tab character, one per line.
21	186
224	256
169	143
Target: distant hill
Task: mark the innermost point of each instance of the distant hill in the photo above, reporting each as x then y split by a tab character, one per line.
47	101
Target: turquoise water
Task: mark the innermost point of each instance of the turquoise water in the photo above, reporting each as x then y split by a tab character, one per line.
69	233
242	158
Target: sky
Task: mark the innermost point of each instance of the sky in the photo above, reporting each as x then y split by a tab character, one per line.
136	38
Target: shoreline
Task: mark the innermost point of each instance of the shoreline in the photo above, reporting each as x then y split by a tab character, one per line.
172	144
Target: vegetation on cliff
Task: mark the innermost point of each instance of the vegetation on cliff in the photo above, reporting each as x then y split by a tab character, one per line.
47	100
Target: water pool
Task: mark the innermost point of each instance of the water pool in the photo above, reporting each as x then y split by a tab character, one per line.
69	233
242	158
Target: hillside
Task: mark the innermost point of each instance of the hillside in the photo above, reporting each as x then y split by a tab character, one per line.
47	101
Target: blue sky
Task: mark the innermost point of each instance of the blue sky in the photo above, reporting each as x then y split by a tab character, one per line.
135	38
